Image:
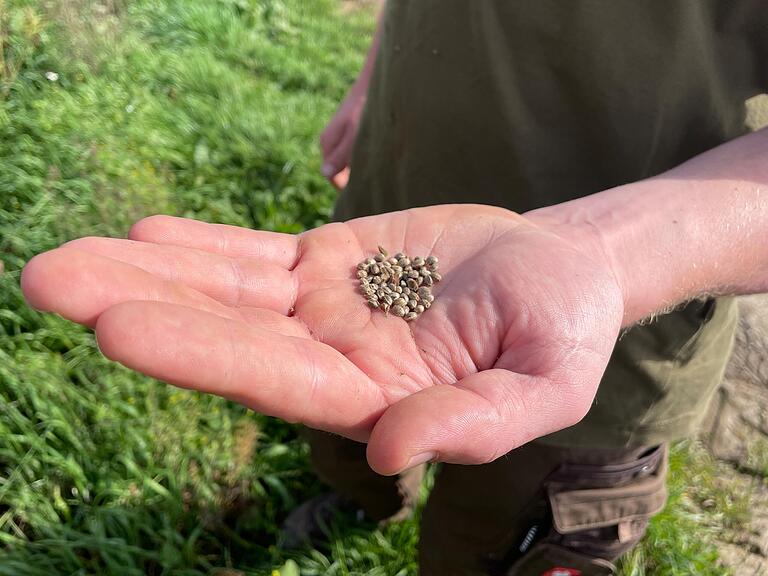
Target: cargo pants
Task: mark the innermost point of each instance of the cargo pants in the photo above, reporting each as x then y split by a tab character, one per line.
541	510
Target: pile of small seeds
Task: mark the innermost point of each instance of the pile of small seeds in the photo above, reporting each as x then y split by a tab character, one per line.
398	284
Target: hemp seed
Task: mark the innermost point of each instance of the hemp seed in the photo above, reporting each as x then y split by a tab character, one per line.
398	284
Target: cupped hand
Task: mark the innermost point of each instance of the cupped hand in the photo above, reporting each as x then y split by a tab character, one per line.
514	346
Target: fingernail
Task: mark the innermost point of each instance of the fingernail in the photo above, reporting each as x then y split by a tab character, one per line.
420	459
327	170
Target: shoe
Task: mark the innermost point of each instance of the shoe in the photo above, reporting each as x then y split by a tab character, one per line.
309	524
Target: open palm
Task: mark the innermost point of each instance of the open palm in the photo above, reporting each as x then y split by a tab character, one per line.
513	347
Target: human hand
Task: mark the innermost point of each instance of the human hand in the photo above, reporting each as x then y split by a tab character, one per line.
337	139
514	346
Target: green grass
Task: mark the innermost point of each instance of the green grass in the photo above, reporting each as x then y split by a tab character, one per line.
201	108
113	110
680	540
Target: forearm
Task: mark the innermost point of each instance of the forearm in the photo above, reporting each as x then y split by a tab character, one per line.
364	78
698	229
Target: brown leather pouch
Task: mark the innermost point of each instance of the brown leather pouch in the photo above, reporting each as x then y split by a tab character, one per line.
604	510
598	512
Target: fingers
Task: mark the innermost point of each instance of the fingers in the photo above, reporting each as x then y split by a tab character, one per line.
332	135
232	281
336	156
341	179
299	380
80	286
232	241
482	417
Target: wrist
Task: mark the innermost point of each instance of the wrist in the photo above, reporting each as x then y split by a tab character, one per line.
576	223
673	238
642	251
698	229
646	252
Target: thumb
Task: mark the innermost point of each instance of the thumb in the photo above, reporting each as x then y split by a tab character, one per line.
474	421
341	179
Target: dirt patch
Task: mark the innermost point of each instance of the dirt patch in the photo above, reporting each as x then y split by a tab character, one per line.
737	434
744	548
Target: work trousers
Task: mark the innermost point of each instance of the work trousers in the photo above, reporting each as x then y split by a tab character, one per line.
540	510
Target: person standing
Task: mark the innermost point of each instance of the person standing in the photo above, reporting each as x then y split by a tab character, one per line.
525	106
616	130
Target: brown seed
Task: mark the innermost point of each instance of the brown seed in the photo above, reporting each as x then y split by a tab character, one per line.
398	284
436	276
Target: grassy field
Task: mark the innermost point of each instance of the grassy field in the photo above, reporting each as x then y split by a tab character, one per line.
113	110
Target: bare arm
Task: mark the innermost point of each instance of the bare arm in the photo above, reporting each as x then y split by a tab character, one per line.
365	74
522	327
338	137
698	229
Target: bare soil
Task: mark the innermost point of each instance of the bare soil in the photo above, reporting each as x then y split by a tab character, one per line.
737	435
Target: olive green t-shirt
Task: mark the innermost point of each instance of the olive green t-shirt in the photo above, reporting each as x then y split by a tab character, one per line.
529	104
